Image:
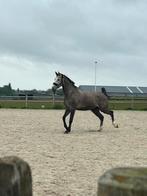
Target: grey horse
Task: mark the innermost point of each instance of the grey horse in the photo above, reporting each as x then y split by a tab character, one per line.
75	99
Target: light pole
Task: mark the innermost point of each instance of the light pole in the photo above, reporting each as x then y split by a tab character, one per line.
95	70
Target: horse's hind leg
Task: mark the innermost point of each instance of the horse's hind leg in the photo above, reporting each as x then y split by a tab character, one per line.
100	116
64	119
111	113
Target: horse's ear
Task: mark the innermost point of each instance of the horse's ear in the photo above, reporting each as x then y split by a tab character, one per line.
56	73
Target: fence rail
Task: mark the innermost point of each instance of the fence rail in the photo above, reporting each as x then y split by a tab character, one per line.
24	97
50	102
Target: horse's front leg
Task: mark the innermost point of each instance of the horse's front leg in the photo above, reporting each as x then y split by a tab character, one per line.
64	120
72	113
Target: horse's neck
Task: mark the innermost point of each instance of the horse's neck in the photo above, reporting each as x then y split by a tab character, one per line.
68	88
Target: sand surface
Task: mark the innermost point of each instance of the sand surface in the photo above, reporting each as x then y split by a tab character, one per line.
70	165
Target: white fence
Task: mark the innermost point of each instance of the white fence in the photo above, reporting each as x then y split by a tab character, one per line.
44	101
26	99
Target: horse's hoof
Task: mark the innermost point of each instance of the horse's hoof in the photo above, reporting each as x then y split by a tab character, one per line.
100	129
115	125
66	132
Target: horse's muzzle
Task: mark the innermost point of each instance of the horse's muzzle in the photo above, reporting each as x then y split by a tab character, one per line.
55	84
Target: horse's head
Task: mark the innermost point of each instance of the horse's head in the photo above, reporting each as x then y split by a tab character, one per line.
58	82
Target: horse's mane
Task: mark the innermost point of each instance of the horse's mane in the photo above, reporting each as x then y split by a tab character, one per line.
69	80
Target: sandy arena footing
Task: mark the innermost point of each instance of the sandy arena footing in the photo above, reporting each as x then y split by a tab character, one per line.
70	164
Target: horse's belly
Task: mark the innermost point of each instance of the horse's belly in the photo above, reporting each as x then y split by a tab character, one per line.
83	108
88	106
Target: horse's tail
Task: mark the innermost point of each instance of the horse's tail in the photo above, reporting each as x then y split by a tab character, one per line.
104	92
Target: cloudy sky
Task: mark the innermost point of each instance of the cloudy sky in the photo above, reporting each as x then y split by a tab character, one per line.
38	37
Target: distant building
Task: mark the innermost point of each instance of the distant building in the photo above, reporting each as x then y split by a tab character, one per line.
117	90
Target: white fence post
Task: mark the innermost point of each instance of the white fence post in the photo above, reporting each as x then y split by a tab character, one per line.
26	101
53	99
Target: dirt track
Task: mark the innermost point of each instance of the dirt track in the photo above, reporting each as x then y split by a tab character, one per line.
69	165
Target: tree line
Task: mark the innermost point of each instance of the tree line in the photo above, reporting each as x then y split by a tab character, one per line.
7	90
